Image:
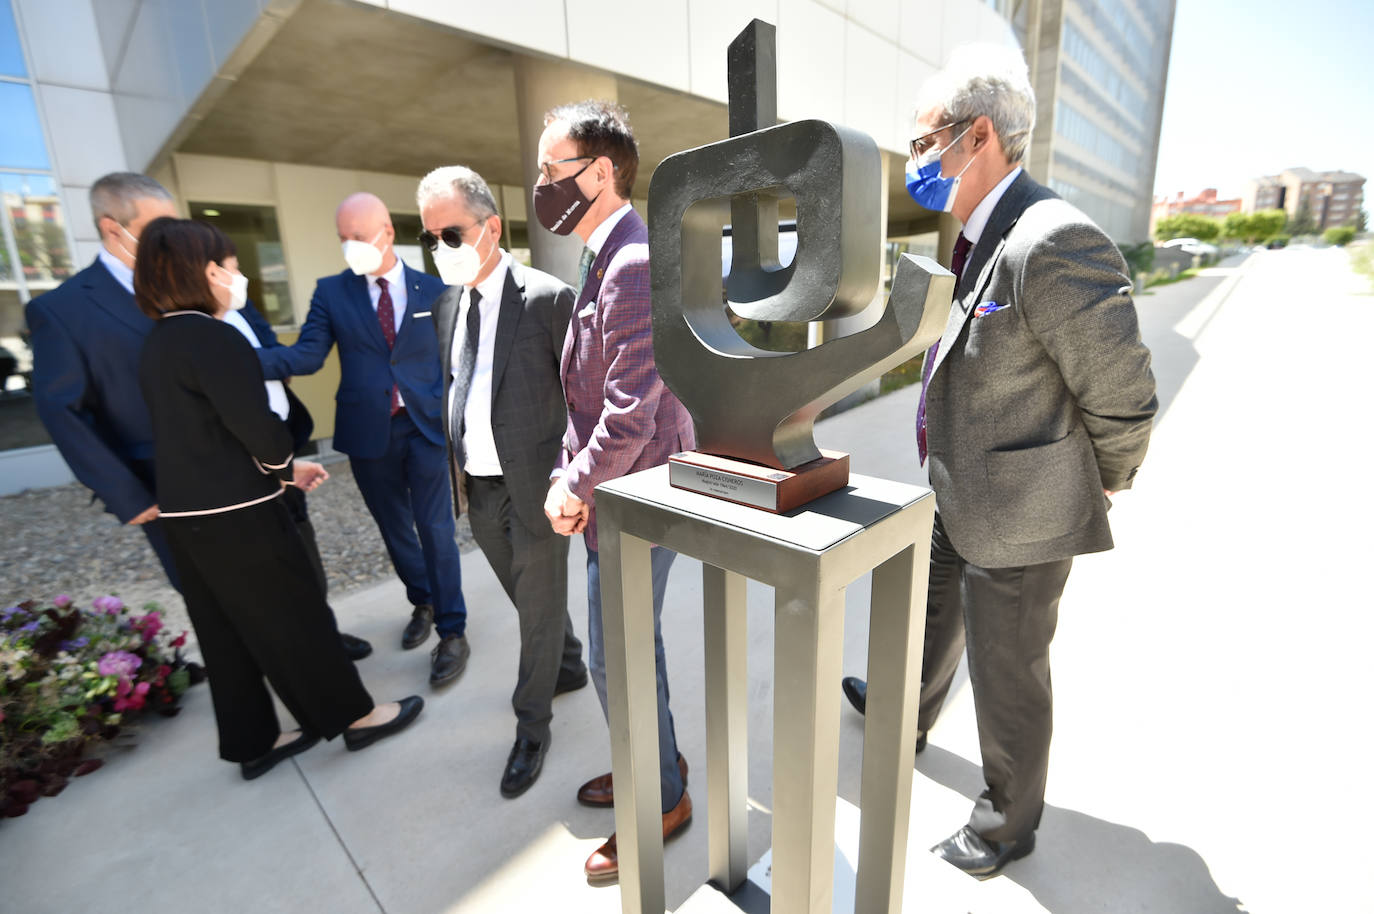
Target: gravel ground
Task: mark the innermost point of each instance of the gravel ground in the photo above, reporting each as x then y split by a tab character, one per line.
62	542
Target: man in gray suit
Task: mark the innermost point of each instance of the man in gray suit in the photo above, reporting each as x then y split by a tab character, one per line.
501	328
1036	406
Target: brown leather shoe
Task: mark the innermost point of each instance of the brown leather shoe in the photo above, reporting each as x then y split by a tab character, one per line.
603	866
600	792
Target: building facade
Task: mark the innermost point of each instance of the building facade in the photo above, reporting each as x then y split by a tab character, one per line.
1204	204
260	115
1328	198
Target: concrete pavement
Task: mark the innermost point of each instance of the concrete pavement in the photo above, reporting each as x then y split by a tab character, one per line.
1207	675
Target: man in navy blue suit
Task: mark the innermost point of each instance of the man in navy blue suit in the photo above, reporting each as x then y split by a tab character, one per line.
388	418
87	335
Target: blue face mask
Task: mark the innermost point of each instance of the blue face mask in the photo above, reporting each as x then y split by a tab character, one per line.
927	186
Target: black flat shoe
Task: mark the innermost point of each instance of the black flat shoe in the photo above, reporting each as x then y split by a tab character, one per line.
260	766
979	857
522	767
356	648
356	738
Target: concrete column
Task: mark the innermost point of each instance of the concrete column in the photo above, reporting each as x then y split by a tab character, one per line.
539	86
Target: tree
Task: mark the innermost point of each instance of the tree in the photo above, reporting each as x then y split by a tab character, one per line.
1303	223
1339	236
1253	228
1188	225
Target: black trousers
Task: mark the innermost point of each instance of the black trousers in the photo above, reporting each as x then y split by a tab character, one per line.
1006	617
259	612
532	567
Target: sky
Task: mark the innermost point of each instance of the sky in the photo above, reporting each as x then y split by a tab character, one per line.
1258	86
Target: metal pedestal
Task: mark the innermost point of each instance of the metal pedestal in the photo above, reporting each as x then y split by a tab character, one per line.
808	556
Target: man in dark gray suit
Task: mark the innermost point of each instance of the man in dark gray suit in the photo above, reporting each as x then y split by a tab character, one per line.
1036	406
501	327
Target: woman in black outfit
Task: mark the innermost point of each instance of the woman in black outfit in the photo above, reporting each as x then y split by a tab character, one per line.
222	459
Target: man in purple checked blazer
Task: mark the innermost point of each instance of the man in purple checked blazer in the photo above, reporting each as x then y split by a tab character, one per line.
621	417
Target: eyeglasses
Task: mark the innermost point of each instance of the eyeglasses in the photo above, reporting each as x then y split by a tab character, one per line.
923	142
548	174
451	236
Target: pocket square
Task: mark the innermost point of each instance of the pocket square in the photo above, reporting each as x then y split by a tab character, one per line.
987	308
588	311
422	314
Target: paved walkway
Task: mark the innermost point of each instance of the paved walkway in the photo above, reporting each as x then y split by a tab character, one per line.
1207	672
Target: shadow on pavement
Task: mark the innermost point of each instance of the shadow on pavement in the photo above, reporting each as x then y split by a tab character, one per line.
1086	865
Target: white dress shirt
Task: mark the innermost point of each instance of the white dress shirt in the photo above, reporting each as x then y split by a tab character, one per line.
978	219
478	443
597	241
396	285
276	390
122	274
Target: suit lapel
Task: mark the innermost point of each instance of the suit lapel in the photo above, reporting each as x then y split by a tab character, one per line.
978	271
412	281
507	321
114	299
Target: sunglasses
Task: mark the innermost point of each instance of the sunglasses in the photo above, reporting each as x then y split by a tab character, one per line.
451	236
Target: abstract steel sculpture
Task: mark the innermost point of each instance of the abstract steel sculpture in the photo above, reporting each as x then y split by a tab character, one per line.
748	403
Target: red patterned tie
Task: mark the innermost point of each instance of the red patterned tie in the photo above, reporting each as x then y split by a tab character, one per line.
386	314
956	266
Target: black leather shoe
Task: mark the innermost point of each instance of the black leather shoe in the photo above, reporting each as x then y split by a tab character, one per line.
978	856
568	683
356	648
260	766
417	629
522	767
448	660
356	738
856	690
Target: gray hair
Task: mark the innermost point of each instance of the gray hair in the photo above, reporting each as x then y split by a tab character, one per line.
986	79
117	194
457	182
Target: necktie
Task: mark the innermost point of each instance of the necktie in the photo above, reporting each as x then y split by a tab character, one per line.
956	266
584	267
386	316
467	361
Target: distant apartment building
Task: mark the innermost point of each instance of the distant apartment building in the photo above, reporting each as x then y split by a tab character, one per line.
1331	198
1099	68
1204	204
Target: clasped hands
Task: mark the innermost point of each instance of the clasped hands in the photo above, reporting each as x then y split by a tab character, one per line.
566	512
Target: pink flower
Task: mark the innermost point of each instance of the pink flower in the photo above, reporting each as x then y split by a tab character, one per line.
62	601
131	699
179	640
118	663
148	626
108	604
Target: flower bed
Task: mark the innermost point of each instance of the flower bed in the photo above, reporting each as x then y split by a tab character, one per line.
72	679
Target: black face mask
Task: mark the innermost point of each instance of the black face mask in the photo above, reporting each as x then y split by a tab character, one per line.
560	206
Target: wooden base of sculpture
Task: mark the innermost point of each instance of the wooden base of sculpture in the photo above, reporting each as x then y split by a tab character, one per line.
755	485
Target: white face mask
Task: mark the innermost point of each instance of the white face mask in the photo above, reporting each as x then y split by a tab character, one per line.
238	290
363	257
459	266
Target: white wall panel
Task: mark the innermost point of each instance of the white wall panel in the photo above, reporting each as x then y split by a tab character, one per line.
713	25
644	40
922	30
912	72
960	26
536	24
113	20
85	133
227	21
189	43
870	84
810	61
64	44
76	203
881	16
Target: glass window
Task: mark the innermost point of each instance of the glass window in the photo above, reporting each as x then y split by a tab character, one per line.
253	229
408	246
11	54
21	137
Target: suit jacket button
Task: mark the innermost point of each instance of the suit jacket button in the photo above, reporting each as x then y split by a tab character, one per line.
571	407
